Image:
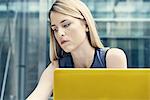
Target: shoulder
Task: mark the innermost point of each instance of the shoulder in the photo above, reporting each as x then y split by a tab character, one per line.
116	58
47	76
52	66
49	70
115	52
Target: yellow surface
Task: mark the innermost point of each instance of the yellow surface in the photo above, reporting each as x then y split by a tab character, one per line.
102	84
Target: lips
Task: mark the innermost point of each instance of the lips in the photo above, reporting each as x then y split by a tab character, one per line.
64	41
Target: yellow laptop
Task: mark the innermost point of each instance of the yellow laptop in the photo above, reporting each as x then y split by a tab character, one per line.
101	84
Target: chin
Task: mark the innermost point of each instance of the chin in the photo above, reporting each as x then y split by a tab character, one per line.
68	49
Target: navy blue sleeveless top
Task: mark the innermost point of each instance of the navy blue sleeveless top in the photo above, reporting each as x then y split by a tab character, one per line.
98	61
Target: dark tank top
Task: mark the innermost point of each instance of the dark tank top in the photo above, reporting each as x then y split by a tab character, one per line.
98	61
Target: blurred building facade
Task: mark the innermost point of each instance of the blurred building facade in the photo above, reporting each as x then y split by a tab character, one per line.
24	38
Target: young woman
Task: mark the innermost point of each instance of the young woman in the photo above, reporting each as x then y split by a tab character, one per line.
74	43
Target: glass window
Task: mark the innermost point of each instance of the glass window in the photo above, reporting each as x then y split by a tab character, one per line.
125	24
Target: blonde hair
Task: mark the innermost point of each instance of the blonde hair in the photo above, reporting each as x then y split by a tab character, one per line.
77	9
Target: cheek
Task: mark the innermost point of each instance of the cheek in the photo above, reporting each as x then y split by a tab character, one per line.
77	31
77	34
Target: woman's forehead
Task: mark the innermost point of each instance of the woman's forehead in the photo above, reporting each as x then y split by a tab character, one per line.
57	17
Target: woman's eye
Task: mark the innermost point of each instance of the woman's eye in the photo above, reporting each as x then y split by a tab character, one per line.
55	30
66	25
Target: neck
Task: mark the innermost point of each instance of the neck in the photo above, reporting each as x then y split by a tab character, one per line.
83	56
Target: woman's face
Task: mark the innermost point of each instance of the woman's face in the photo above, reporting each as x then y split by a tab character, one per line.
69	32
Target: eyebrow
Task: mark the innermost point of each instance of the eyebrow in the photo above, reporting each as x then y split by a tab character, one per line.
60	22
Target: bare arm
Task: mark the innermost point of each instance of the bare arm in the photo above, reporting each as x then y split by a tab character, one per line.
116	58
45	85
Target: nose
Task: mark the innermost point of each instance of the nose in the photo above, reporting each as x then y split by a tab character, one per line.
61	33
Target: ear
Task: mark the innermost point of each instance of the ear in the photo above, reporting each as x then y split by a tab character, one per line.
84	23
86	26
87	29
